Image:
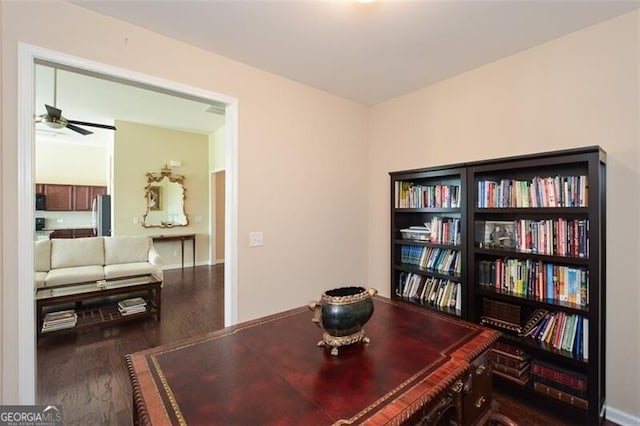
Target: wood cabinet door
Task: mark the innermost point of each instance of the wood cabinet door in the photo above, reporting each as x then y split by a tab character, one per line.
82	197
97	190
59	197
39	188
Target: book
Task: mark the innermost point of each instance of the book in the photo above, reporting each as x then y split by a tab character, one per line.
559	386
560	395
509	349
511	371
560	375
136	301
503	358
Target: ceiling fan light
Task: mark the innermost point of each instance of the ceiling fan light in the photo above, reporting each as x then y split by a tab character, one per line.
54	124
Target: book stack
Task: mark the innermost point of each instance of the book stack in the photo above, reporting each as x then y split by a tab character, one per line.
559	383
510	362
132	306
59	320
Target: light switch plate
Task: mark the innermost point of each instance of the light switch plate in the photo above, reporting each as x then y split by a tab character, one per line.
256	239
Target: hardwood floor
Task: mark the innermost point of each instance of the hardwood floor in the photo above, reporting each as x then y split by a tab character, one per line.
85	372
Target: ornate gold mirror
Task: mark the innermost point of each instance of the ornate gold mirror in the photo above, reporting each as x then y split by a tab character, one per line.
165	194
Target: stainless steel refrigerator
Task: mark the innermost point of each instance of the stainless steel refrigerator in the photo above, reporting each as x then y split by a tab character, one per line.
102	215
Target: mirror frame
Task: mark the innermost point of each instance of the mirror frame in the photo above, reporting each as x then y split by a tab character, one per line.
154	178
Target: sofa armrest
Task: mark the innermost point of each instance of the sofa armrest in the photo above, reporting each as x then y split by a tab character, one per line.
155	259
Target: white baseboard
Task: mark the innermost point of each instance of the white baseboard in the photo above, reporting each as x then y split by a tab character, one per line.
219	262
621	418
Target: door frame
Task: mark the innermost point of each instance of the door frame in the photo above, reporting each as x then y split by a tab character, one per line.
27	56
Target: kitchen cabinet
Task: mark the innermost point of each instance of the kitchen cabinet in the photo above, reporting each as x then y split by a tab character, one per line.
59	197
69	197
84	196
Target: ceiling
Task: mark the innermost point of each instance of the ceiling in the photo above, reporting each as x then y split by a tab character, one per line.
96	99
365	52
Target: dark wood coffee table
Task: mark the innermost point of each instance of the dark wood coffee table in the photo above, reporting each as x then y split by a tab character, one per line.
100	301
420	367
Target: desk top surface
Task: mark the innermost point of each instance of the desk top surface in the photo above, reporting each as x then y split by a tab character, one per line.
271	371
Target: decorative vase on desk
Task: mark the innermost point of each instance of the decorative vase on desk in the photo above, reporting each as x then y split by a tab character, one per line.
341	313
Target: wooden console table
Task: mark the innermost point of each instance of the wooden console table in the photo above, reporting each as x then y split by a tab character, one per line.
182	238
420	367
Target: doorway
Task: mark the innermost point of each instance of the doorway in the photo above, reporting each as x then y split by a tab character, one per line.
27	57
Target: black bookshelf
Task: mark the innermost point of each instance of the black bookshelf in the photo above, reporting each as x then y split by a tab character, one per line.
590	164
580	175
441	204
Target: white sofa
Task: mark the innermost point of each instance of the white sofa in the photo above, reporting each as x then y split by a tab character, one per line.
62	261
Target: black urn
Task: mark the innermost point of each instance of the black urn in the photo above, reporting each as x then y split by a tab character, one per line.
341	313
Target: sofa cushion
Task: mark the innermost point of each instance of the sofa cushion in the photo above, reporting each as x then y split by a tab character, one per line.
42	255
119	250
74	252
129	269
74	275
39	279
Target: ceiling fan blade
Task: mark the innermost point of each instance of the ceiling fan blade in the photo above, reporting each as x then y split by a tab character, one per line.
53	112
84	123
80	130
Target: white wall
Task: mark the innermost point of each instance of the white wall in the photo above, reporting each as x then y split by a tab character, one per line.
578	90
301	168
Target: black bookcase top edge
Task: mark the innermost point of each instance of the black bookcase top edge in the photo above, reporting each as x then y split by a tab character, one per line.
493	161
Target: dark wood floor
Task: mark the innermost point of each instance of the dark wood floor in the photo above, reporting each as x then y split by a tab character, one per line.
85	372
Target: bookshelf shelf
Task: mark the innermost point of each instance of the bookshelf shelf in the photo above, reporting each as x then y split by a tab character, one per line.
542	257
427	272
538	223
571	308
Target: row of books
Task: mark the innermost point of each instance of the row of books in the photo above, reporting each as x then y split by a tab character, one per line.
445	230
558	191
510	362
59	320
417	196
563	331
429	290
514	364
559	237
436	259
536	279
562	384
132	306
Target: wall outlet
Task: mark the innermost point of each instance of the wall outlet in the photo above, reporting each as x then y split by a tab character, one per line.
135	220
59	220
198	219
255	239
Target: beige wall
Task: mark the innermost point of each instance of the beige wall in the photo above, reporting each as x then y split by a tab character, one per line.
300	152
139	149
70	163
579	90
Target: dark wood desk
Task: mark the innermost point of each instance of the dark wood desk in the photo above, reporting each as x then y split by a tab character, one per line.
419	367
182	238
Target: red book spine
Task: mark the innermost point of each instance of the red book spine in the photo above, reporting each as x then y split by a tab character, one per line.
559	376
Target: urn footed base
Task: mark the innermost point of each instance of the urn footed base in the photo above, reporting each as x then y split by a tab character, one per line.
335	342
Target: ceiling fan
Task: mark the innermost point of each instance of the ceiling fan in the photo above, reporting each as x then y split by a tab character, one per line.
54	119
